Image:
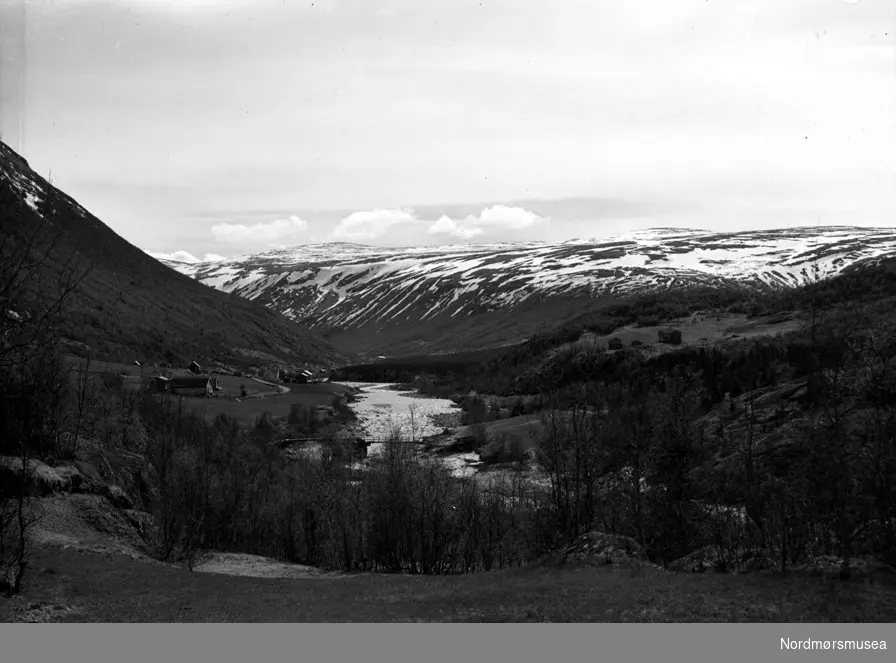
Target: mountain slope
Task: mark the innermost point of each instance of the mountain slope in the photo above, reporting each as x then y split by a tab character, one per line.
129	305
395	300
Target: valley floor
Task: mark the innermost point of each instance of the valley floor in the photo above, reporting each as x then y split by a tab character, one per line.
80	586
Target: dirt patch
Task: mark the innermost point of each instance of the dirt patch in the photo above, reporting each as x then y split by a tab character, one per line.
256	566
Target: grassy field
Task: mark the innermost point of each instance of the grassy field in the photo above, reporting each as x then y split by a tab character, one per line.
246	410
90	587
231	386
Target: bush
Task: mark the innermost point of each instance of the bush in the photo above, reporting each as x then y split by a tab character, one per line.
299	415
503	449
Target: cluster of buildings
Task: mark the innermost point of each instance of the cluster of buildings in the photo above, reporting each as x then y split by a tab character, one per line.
204	383
301	376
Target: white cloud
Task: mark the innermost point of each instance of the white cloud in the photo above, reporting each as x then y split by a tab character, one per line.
371	224
497	219
448	226
274	232
405	226
186	256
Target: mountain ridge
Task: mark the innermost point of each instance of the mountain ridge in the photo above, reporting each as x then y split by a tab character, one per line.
409	299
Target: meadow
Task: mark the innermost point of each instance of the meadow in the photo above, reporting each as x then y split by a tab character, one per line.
247	410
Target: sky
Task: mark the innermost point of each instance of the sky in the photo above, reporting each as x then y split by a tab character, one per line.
202	128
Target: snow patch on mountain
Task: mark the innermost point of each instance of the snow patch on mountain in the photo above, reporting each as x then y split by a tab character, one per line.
354	286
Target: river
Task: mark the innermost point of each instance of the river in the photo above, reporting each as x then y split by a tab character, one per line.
383	411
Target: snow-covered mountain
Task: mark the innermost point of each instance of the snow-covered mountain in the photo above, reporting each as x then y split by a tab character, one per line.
367	291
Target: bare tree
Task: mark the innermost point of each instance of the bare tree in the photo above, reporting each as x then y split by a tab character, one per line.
413	421
16	519
37	280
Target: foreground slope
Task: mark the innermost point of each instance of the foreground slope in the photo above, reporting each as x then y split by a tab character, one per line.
129	305
90	587
405	300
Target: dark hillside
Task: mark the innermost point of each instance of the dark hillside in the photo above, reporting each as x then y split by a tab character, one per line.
130	305
861	297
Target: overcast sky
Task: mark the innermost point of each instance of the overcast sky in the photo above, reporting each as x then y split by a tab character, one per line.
227	127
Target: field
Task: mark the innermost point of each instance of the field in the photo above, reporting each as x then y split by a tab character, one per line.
90	587
232	386
700	329
247	410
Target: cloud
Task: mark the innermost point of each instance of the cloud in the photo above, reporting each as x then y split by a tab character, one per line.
448	226
371	223
279	231
375	224
497	218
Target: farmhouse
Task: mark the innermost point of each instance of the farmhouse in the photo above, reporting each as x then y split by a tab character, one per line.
195	368
194	385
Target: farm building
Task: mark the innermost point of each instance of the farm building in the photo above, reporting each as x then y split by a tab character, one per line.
670	336
196	385
160	383
299	377
615	343
636	343
195	368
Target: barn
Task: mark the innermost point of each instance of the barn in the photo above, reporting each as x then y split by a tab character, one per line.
303	377
193	385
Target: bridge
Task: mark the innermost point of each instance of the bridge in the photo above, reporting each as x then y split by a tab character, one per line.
366	440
